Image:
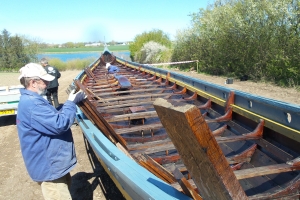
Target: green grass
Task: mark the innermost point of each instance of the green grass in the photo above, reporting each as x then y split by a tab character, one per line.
85	49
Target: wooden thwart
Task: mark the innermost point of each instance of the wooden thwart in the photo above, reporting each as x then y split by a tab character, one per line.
139	128
131	116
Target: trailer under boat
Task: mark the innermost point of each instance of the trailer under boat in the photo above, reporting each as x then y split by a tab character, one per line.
163	135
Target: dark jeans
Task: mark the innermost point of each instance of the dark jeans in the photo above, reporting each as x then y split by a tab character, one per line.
53	92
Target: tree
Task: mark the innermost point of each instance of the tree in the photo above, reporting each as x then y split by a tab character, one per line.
14	53
69	45
155	35
237	37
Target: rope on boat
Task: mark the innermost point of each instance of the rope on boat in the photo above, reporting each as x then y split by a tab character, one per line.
173	63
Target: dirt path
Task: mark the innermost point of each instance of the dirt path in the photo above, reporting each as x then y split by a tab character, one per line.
90	181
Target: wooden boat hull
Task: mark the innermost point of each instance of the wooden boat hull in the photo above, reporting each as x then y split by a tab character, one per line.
244	112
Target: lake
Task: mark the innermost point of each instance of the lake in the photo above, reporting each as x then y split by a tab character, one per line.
82	55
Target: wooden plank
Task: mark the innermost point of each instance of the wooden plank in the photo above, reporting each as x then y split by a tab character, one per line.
131	116
265	170
187	188
199	151
138	128
152	96
121	110
161	146
116	104
130	91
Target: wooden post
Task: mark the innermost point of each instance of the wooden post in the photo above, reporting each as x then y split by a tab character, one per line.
199	151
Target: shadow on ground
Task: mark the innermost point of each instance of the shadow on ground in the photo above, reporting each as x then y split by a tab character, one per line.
81	187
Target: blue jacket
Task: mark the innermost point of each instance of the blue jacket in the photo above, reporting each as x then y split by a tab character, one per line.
45	136
113	69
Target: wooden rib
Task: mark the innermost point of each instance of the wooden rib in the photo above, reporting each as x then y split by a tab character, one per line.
158	80
226	117
187	188
183	91
206	106
173	87
152	78
237	166
230	101
193	97
220	130
167	81
209	167
256	134
244	156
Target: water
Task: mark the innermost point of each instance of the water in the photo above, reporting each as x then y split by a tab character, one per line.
83	55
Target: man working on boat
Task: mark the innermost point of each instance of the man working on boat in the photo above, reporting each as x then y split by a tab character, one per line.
44	132
112	68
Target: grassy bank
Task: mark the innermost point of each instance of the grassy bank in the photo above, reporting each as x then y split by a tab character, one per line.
84	49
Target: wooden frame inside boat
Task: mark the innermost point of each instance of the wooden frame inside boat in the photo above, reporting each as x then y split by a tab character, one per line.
255	139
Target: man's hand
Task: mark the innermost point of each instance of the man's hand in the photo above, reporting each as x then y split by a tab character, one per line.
76	97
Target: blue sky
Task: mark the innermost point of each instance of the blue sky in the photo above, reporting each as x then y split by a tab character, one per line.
60	21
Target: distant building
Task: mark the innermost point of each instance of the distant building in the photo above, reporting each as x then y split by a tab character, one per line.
93	45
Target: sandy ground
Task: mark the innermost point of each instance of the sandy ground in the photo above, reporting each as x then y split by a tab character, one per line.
90	181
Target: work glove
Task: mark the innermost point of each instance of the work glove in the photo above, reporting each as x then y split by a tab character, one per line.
76	97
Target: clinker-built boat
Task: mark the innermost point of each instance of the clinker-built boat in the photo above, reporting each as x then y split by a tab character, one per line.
163	135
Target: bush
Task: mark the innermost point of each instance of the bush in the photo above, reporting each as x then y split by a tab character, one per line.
75	64
151	52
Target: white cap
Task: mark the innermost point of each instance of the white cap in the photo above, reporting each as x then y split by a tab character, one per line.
107	65
35	70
